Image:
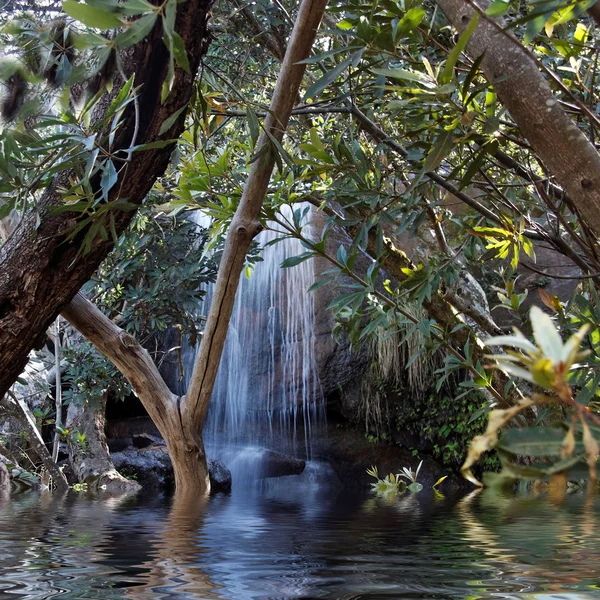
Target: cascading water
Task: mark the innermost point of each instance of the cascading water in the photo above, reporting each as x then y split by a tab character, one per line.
267	394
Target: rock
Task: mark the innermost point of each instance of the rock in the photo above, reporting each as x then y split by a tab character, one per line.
276	464
220	476
151	467
143	440
350	455
127	428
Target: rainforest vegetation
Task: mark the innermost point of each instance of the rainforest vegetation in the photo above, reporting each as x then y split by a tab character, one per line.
437	160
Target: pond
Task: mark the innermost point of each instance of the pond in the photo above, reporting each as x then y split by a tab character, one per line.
300	540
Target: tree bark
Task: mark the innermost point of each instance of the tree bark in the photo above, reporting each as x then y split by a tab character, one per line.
40	272
246	221
594	12
90	458
567	153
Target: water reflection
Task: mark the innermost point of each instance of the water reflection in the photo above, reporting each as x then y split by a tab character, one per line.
300	541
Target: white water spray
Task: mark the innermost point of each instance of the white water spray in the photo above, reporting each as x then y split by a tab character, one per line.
267	393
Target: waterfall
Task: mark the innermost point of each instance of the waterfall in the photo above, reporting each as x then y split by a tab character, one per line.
267	393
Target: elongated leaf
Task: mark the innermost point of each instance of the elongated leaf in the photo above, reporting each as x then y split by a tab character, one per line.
402	74
170	121
292	261
448	72
253	125
136	32
318	86
91	16
545	334
441	149
179	51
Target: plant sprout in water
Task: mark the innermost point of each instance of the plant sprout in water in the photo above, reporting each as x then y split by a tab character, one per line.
394	484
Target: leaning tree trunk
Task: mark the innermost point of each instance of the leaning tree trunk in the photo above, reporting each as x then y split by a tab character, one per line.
245	224
89	455
567	153
40	272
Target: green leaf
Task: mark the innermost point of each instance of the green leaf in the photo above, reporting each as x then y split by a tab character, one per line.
498	8
448	71
441	149
402	74
109	178
253	125
91	15
292	261
136	32
136	7
181	57
330	76
170	120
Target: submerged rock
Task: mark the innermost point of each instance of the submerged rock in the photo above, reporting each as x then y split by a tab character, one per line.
151	467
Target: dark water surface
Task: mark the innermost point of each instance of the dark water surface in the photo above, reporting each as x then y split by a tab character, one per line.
300	541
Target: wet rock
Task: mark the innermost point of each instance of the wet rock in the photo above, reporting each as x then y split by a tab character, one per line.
276	464
151	467
220	476
350	455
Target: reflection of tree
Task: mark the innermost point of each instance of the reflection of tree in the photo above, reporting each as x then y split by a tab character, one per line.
173	567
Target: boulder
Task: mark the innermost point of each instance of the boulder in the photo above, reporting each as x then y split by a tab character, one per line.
220	476
276	464
151	467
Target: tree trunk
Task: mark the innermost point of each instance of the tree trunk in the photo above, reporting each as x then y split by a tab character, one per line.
40	272
89	457
567	153
246	221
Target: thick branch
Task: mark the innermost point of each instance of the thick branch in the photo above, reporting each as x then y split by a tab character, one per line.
524	91
245	224
126	354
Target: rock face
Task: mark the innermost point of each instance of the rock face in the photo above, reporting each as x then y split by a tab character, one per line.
151	468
